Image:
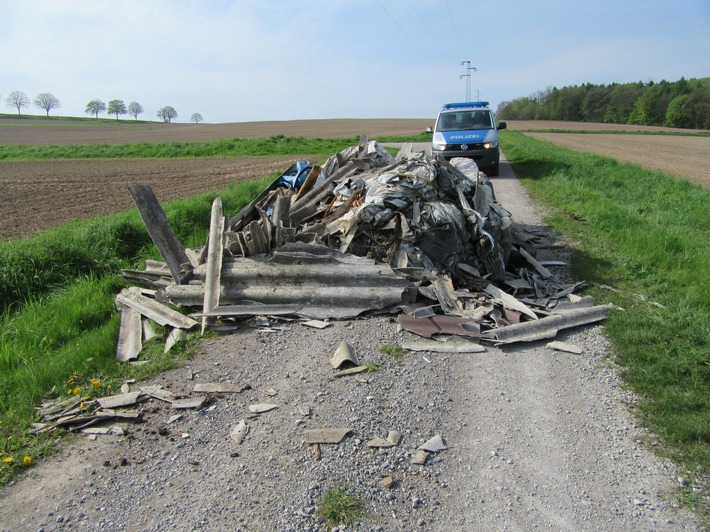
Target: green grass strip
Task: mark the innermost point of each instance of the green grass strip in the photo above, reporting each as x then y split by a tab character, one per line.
235	147
58	332
646	234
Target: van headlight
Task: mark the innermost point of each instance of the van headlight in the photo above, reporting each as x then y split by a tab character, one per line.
489	145
439	147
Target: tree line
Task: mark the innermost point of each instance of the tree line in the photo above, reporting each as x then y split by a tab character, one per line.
47	101
683	104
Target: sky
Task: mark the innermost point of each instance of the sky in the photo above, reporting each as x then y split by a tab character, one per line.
239	60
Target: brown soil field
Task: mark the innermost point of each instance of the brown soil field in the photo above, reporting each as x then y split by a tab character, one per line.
683	156
37	195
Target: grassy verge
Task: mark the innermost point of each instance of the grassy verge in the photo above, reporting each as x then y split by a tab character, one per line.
647	235
278	145
58	327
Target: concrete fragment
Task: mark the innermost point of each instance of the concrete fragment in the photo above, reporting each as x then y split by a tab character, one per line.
378	443
394	436
387	482
262	408
217	387
434	445
325	435
239	432
188	403
420	457
566	347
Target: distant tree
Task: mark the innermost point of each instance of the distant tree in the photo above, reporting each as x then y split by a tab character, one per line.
116	107
94	107
134	109
698	108
676	114
196	118
18	100
167	113
47	101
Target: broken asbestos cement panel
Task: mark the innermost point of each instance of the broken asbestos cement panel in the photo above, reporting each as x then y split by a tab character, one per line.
452	345
434	445
325	435
547	327
310	281
566	347
155	311
509	301
130	335
214	262
116	401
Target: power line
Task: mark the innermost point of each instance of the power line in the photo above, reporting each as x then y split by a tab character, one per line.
453	22
405	33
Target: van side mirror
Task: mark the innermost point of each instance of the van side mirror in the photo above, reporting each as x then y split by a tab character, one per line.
429	129
502	125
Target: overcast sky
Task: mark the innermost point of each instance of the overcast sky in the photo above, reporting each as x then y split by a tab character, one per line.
239	60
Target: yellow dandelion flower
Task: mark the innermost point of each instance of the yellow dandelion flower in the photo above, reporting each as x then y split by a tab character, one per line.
81	405
96	383
108	387
27	460
7	459
76	391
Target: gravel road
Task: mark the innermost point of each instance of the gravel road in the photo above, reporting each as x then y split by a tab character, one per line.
534	438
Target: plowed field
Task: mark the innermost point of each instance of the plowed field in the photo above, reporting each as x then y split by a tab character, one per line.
36	195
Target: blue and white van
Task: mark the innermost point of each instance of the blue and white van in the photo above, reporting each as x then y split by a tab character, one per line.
468	129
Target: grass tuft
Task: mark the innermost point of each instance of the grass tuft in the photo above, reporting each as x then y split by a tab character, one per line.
395	351
338	507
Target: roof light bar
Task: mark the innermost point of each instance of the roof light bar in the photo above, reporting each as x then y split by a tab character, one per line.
462	105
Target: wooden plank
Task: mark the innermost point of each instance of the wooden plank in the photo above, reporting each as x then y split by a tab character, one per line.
159	230
129	335
157	312
214	262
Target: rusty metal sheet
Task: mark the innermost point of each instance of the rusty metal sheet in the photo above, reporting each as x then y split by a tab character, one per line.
432	325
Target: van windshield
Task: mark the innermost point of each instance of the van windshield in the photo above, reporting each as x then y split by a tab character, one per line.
464	120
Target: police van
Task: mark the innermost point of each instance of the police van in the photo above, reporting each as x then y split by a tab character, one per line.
468	129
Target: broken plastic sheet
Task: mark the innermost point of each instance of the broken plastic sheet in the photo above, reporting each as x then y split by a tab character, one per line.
294	177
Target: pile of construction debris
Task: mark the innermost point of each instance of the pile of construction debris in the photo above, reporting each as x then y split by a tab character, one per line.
366	232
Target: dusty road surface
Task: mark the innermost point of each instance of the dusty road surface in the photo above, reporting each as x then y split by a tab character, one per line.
534	438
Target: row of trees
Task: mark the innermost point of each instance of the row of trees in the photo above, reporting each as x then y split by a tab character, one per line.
48	101
683	103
